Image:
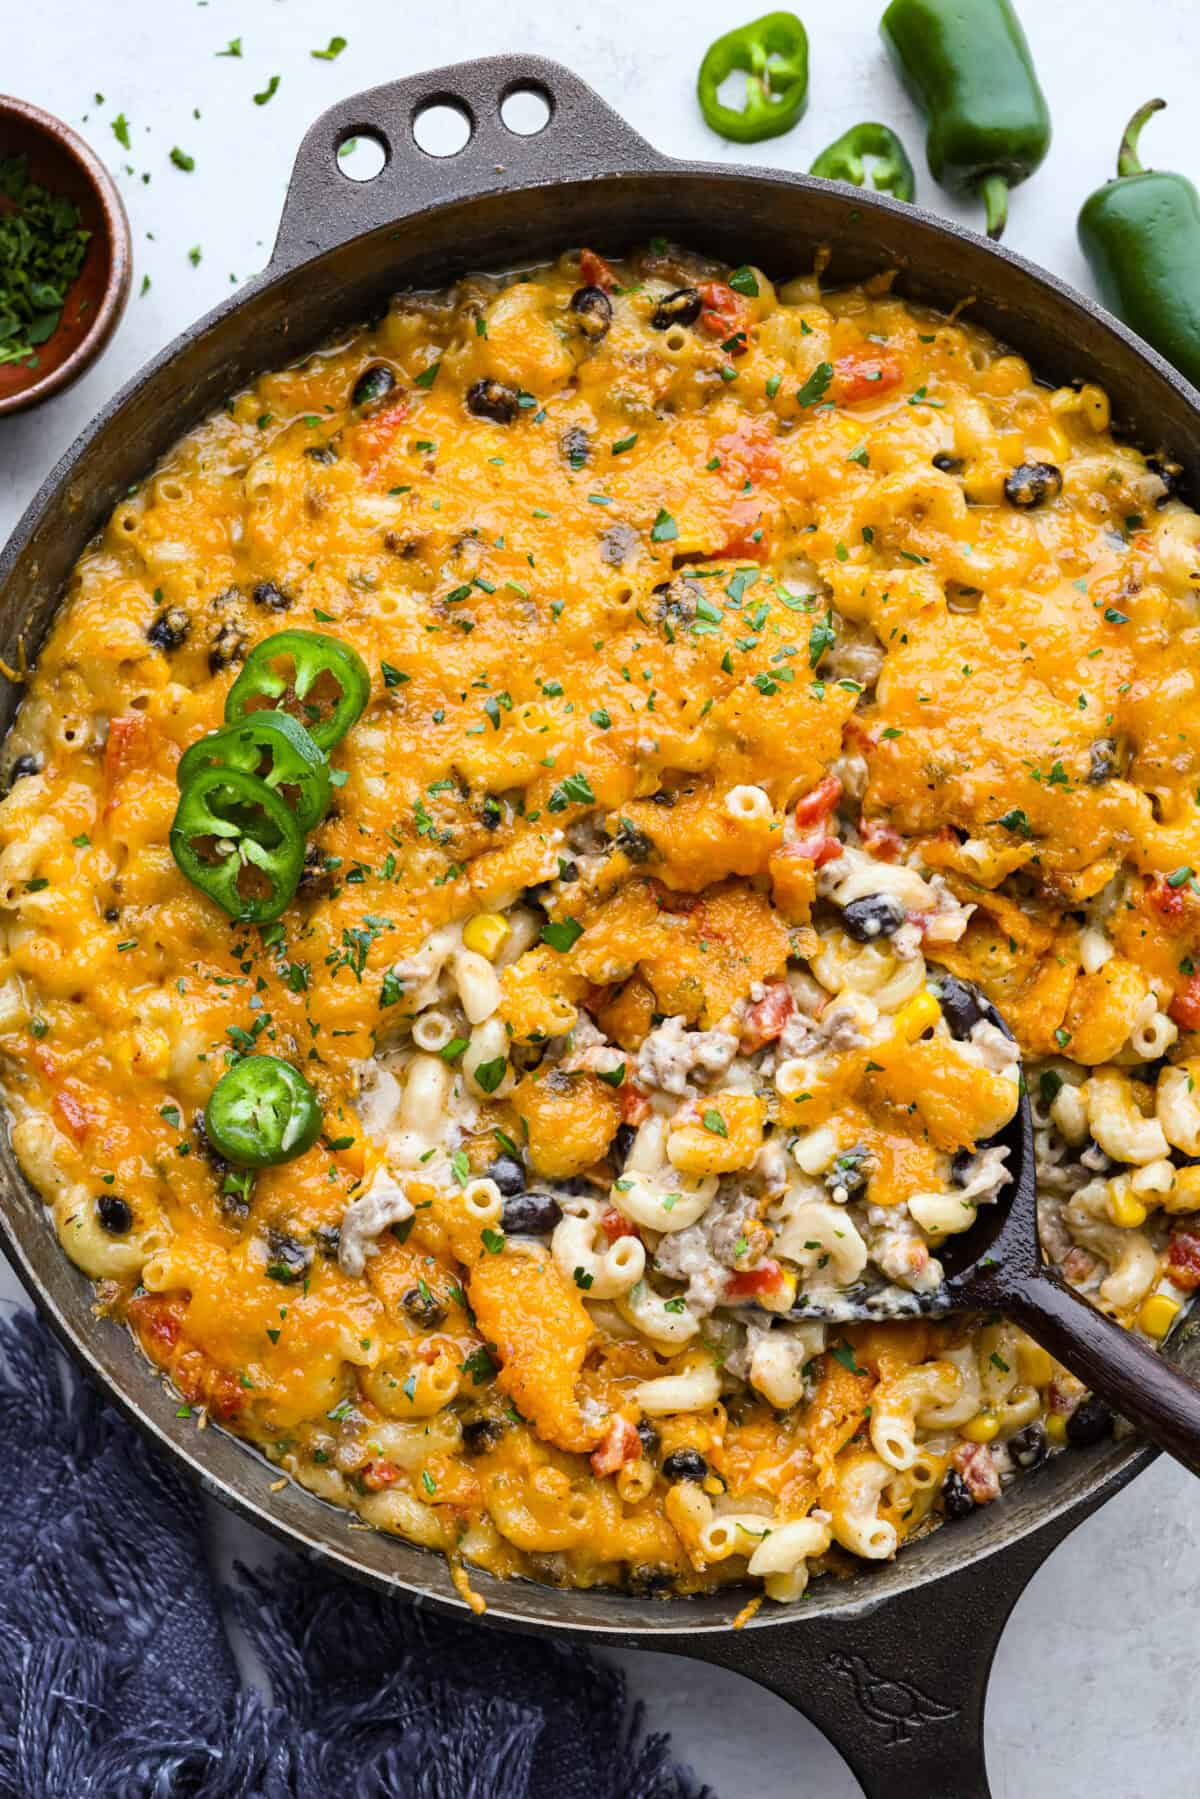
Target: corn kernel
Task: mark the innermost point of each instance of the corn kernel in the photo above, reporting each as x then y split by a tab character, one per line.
781	1297
1056	1427
913	1019
1158	1313
1125	1208
981	1428
485	933
1036	1364
1184	1195
1093	403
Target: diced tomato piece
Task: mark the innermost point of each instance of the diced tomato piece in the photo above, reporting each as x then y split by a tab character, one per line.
766	1018
1185	1007
596	998
1170	902
158	1318
614	1224
819	846
224	1395
595	272
378	1475
750	452
818	803
975	1463
747	543
863	377
621	1445
724	314
635	1107
751	1282
77	1117
373	438
1183	1259
880	839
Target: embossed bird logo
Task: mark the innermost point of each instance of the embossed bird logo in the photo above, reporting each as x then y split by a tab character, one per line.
894	1705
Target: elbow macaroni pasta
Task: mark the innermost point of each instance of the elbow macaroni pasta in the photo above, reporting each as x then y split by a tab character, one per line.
624	964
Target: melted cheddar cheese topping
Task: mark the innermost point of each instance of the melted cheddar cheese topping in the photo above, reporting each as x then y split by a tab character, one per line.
736	721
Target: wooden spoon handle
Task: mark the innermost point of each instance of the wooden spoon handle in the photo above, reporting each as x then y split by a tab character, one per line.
1121	1368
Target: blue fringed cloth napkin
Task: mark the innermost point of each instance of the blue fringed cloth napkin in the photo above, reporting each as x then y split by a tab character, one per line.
118	1680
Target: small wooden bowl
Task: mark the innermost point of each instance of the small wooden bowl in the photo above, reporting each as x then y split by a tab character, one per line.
61	161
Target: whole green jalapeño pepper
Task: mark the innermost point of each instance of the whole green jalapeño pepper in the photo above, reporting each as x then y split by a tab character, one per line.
262	1112
967	65
274	747
1141	236
238	841
319	679
846	160
772	53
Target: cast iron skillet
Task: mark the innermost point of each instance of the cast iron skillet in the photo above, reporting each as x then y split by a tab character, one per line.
892	1664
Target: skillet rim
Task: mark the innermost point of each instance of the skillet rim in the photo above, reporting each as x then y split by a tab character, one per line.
1099	1474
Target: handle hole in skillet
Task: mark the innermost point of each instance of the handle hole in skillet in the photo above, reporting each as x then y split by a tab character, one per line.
525	110
442	127
362	155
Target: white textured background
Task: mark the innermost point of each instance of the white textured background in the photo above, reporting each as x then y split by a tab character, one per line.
1095	1678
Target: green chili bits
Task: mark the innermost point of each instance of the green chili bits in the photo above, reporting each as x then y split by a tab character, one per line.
968	66
772	53
1141	236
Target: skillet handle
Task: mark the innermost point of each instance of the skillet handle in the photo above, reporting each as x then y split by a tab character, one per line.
582	138
1133	1378
898	1690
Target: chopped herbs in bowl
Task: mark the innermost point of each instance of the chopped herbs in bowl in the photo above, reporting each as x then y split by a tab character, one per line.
65	256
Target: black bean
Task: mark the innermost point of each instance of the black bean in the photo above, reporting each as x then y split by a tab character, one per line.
684	1464
423	1306
956	1496
1169	473
1032	484
169	630
489	399
568	872
622	1143
530	1215
324	453
949	465
960	1005
114	1214
287	1260
876	915
328	1238
272	597
575	446
508	1174
962	1166
375	381
633	843
205	1145
24	765
593	312
679	308
1090	1422
651	1580
1028	1448
481	1434
491	814
651	1440
228	646
112	915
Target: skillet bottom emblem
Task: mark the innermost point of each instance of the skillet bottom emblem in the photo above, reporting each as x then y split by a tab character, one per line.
895	1706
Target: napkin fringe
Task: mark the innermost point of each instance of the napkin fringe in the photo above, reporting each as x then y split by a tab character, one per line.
118	1679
